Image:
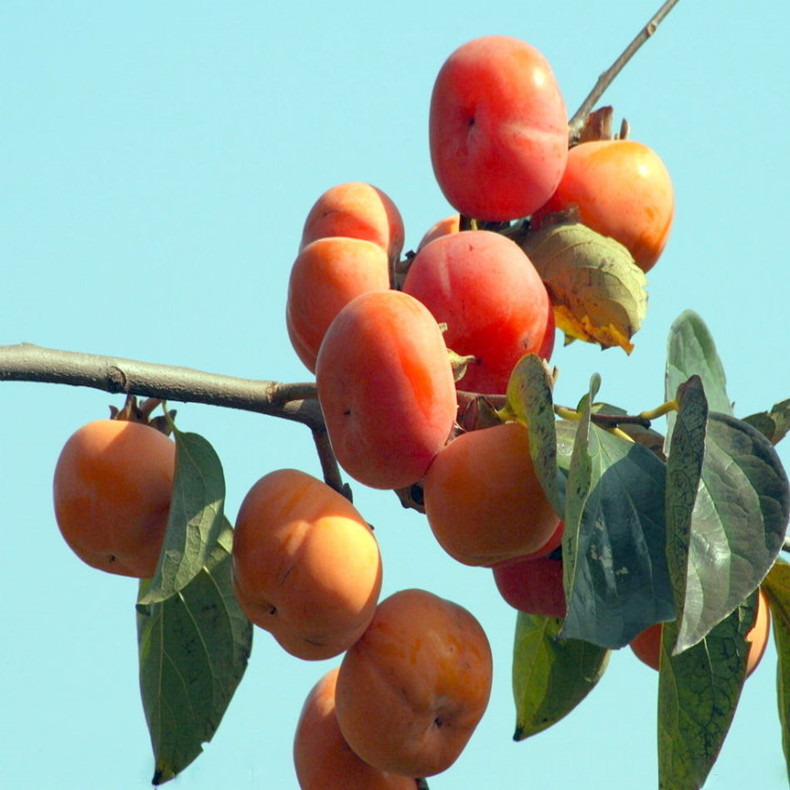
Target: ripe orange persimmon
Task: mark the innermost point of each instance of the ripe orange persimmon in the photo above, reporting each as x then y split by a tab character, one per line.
483	500
497	129
386	388
322	758
443	227
647	645
360	211
326	275
306	566
412	690
485	289
622	189
112	490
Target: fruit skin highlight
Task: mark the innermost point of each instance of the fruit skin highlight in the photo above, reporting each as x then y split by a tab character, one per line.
483	500
485	289
498	129
622	189
322	758
306	566
386	389
412	690
647	645
112	489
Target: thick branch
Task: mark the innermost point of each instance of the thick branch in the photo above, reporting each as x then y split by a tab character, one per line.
27	362
606	79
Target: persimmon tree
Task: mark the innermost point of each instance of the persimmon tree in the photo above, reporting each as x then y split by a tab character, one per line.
682	527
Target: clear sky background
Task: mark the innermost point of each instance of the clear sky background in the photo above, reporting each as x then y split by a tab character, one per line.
157	161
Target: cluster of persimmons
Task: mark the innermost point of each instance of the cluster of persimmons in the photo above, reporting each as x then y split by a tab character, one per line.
391	342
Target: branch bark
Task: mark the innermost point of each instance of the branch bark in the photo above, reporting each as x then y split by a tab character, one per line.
27	362
605	80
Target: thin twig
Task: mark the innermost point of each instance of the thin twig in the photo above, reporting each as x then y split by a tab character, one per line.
329	466
27	362
606	79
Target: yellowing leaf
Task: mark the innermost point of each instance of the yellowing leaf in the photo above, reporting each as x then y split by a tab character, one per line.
599	293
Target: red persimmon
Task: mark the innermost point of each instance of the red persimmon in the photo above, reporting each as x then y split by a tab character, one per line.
497	129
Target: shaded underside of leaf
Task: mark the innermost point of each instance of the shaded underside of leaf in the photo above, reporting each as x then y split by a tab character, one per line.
196	517
551	676
621	580
614	561
697	696
684	472
193	651
599	293
777	589
529	399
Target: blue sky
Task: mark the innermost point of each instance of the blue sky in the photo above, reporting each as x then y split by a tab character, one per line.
157	162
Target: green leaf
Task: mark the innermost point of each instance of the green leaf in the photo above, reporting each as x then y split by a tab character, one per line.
551	676
598	292
196	517
698	692
614	561
193	650
684	472
777	590
577	490
728	503
773	424
691	351
529	400
566	437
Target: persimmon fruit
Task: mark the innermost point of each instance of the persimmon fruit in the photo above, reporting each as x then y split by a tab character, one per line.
357	210
386	388
326	275
112	490
306	566
621	189
483	500
646	646
323	759
485	289
498	130
443	227
412	690
533	586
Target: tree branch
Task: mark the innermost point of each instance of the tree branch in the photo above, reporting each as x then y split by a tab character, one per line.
605	80
27	362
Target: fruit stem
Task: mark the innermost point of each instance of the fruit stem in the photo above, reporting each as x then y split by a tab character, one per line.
612	421
660	411
605	80
621	434
566	413
329	466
